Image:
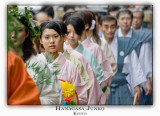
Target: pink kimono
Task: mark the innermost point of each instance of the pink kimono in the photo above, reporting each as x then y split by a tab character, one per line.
96	96
69	73
102	60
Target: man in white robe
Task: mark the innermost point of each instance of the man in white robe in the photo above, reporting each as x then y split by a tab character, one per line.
146	51
131	66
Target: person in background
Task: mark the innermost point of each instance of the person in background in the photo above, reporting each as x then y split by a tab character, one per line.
75	28
66	16
138	16
104	63
41	17
68	8
49	10
129	72
124	18
112	10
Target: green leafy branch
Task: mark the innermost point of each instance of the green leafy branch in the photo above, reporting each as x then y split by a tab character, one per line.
13	22
42	75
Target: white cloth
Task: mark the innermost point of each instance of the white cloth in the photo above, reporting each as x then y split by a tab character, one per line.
121	35
49	94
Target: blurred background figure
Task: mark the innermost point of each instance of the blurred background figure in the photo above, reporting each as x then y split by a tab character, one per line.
138	16
69	8
112	11
49	10
41	17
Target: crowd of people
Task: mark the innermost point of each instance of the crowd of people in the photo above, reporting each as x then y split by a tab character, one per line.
107	58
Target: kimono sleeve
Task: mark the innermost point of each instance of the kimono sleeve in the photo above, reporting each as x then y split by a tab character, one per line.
79	84
109	55
145	59
137	73
106	66
51	93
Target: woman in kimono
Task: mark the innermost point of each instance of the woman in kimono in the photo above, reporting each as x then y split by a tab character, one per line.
26	33
94	48
82	71
93	34
75	28
52	37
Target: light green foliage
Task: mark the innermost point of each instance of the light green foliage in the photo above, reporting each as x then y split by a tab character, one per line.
43	75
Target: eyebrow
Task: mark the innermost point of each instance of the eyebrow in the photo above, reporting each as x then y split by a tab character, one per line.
110	25
50	34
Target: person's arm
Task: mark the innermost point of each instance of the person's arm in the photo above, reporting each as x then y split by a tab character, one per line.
106	66
137	73
145	58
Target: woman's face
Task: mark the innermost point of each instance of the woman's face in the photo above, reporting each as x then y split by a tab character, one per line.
50	40
22	35
72	37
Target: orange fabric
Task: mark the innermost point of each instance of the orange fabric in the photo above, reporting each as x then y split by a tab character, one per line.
21	87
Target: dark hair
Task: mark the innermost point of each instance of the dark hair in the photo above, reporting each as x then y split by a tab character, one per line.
68	7
32	12
112	9
48	9
66	16
95	30
27	46
98	15
85	17
124	10
52	25
62	26
108	18
77	23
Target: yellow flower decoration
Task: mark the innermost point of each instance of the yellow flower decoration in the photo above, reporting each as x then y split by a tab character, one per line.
68	89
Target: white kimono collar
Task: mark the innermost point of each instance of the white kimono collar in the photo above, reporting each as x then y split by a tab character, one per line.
128	35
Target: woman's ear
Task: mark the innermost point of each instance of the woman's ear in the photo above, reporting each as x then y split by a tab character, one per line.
86	26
